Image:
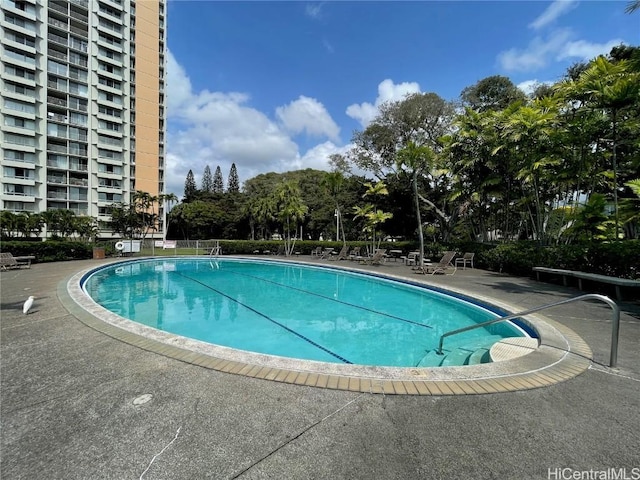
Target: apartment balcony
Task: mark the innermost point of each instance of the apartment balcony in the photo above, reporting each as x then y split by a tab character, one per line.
58	55
80	152
57	39
56	148
58	86
18	163
82	32
81	3
79	16
57	23
61	102
56	117
78	167
17	197
110	175
57	196
56	179
21	180
80	46
59	8
79	182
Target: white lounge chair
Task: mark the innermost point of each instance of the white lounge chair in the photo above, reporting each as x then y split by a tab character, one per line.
441	267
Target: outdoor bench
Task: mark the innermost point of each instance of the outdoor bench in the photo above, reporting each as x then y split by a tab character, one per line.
594	277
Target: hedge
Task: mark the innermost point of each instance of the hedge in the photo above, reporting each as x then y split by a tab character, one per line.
618	259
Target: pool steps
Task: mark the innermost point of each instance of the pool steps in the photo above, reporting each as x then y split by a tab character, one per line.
460	356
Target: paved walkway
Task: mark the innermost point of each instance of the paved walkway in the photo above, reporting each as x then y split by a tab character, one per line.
78	404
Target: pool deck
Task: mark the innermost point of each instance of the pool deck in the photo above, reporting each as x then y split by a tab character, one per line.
79	403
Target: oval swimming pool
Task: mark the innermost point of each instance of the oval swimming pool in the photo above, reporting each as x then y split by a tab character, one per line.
296	310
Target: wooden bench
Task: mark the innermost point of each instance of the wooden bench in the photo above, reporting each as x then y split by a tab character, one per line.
594	277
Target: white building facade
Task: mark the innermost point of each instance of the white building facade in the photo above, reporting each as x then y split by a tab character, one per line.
82	112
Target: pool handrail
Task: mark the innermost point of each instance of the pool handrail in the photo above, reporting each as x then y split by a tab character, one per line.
615	333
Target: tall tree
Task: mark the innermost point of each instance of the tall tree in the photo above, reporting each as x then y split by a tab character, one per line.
333	183
290	210
218	183
416	160
207	180
492	93
190	188
611	87
421	119
233	183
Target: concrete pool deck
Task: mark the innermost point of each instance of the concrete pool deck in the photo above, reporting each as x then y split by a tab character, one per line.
77	403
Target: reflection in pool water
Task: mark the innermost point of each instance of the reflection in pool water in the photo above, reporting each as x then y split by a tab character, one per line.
293	310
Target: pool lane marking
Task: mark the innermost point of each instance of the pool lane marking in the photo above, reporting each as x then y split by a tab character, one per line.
333	299
317	345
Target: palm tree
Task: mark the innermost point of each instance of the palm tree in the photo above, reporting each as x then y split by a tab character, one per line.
166	199
332	183
370	212
630	207
610	87
632	6
528	130
290	210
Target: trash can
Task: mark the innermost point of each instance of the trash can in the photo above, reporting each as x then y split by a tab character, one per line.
98	253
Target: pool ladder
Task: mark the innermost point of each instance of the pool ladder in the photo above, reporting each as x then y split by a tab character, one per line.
216	251
615	333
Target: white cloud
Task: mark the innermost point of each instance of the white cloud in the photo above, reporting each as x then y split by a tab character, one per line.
318	156
552	12
557	46
314	10
585	50
388	91
529	86
537	53
308	115
221	128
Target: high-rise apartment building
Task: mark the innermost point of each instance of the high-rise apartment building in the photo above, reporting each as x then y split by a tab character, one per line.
83	104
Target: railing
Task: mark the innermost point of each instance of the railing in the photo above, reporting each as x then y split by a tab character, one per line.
58	8
57	23
615	333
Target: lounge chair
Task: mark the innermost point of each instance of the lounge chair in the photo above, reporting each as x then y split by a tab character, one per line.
342	255
354	253
8	261
441	267
466	259
326	253
378	258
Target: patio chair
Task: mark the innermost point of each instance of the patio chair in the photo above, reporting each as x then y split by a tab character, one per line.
8	261
466	259
342	255
441	267
378	258
354	253
316	252
411	259
326	253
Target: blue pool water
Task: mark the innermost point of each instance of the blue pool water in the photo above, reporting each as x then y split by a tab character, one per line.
292	310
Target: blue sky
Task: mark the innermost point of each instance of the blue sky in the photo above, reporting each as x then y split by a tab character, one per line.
278	86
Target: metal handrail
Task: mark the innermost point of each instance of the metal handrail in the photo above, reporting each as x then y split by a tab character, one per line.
613	359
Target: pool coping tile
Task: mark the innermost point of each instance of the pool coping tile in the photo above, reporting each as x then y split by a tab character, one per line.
560	356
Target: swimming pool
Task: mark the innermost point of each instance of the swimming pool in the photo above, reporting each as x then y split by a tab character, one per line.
295	310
